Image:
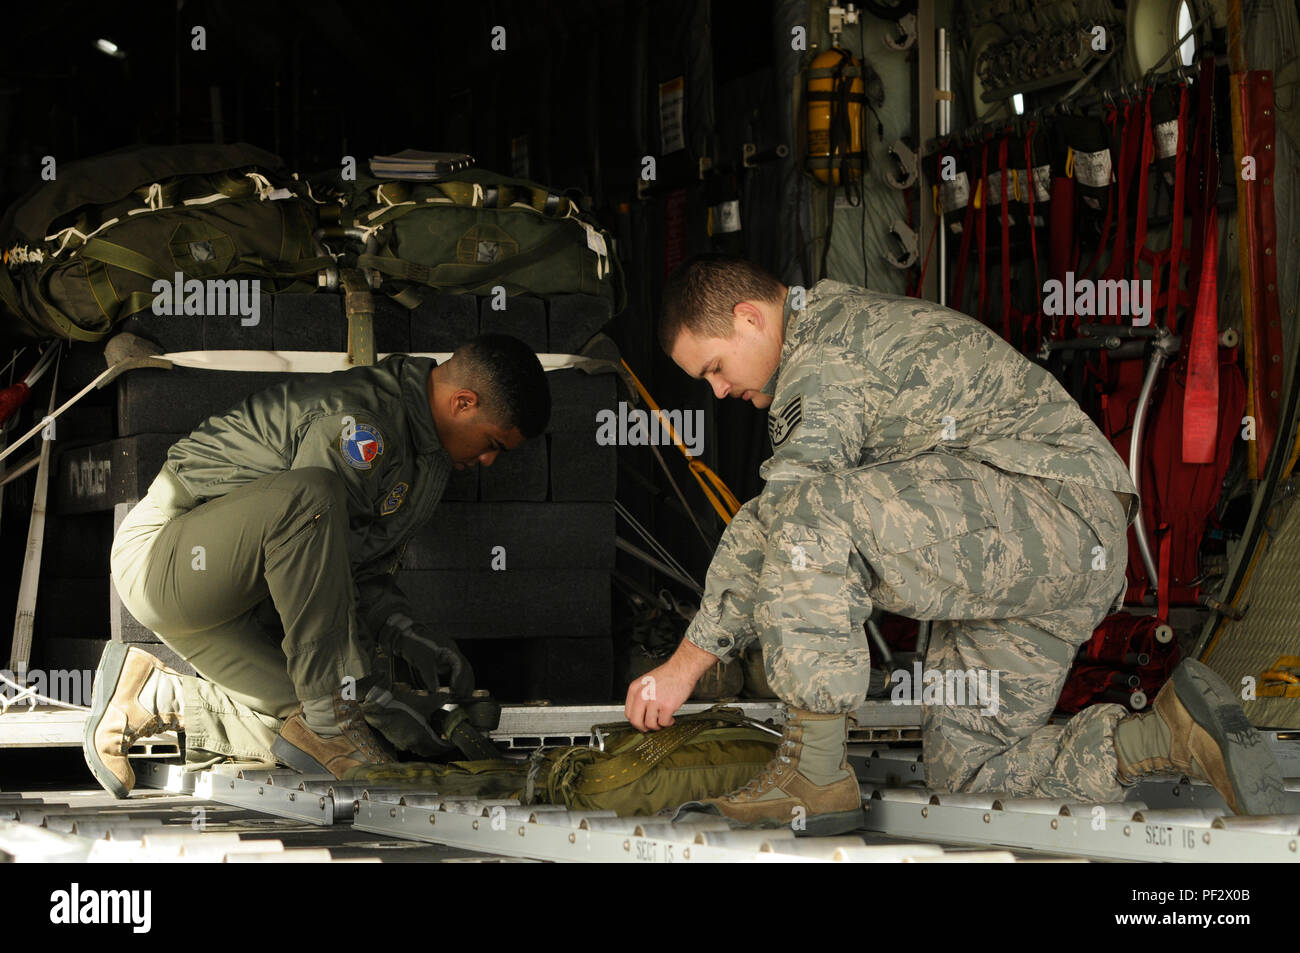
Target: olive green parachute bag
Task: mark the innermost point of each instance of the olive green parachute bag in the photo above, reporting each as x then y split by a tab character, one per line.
475	230
83	251
701	755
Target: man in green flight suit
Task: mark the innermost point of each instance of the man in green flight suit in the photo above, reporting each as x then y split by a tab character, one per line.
922	465
263	554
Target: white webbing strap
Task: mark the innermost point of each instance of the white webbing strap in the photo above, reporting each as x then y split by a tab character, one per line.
262	184
326	362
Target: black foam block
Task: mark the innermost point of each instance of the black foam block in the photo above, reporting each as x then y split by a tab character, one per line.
84	654
571	671
392	326
576	398
173	332
78	546
178	400
581	469
559	670
514	603
92	479
87	422
310	322
523	317
443	323
80	364
573	319
72	608
520	474
540	536
229	332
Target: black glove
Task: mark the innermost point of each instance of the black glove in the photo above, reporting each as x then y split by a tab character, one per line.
438	664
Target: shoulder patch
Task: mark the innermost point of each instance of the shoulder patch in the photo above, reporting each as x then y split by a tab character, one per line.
395	497
781	423
361	445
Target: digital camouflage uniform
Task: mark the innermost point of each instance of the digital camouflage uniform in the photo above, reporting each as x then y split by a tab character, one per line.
921	465
263	553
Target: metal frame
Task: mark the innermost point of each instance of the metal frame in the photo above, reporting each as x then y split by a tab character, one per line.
1120	831
525	726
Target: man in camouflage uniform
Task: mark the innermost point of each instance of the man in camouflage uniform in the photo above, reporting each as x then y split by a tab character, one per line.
264	554
922	465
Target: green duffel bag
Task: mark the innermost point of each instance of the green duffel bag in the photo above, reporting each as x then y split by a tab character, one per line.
475	230
701	755
83	252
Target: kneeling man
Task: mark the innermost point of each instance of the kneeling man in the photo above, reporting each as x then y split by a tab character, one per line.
922	465
264	556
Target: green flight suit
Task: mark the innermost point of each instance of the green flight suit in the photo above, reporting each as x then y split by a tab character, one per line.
264	551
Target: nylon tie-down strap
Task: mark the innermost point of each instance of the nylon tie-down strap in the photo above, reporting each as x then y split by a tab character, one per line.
1031	186
717	492
1201	396
963	253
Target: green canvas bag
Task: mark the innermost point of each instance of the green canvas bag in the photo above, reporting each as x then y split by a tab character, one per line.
701	755
82	252
475	230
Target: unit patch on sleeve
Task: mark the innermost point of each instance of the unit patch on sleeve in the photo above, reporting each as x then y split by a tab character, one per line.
781	423
360	445
395	497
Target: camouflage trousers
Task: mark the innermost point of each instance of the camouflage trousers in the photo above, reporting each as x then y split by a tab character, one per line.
1016	572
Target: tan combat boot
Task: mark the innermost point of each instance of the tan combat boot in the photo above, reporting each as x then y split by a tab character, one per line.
135	696
304	750
807	785
1196	727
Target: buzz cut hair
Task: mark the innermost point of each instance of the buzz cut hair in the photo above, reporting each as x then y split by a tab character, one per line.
700	296
508	379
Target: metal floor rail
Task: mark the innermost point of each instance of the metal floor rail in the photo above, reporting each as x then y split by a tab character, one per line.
903	821
1172	821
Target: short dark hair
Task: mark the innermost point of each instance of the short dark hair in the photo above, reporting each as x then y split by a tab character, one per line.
508	378
700	296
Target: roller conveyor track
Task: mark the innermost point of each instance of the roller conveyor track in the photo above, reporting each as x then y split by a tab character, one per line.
903	821
1169	821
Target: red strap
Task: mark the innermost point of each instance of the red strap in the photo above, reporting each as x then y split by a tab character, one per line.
981	228
963	254
1201	396
1006	241
1031	185
1111	118
1062	226
1205	172
1174	257
920	285
1144	175
11	398
1130	144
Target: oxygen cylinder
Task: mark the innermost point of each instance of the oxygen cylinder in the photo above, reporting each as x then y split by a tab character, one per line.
835	97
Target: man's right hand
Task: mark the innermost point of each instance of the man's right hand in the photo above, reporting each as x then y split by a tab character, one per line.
654	697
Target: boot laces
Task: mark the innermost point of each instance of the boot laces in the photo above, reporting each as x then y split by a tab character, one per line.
767	777
167	721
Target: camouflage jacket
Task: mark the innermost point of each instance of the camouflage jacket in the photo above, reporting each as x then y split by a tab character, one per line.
868	378
370	425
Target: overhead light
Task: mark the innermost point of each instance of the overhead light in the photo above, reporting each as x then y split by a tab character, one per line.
1018	103
111	48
